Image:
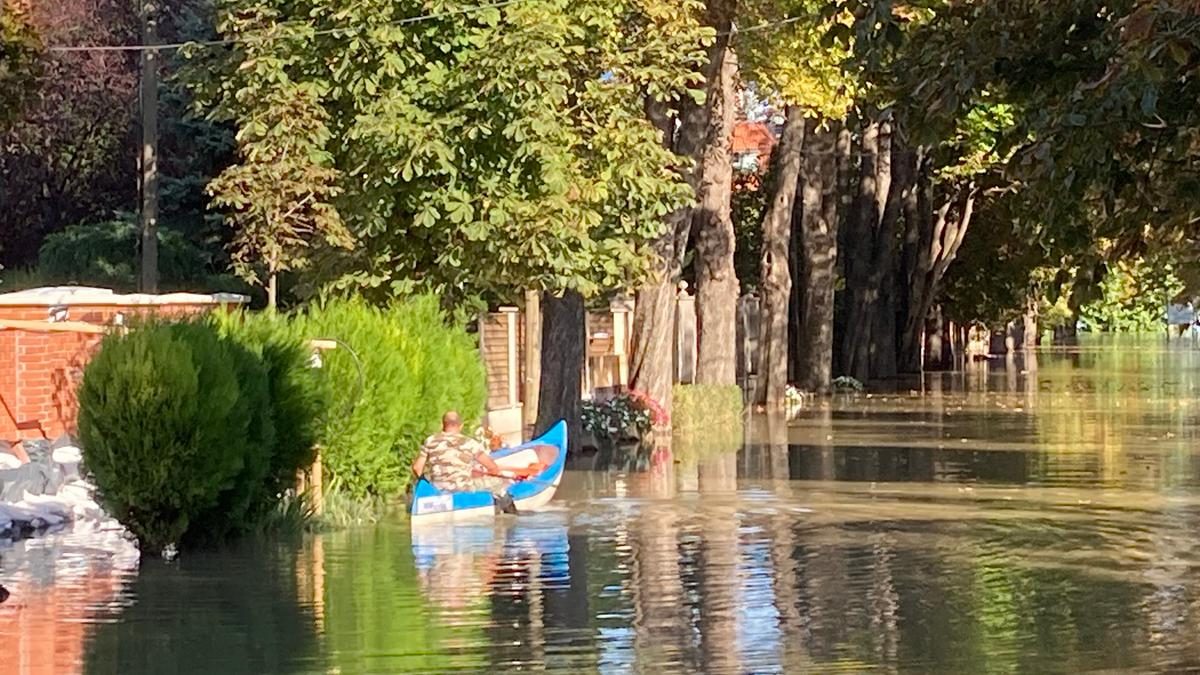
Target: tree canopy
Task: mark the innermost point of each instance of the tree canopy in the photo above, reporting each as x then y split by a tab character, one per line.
477	152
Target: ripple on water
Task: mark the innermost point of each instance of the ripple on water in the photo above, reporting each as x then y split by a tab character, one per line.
1008	518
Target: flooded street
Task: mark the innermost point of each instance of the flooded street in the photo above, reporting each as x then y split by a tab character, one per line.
1039	516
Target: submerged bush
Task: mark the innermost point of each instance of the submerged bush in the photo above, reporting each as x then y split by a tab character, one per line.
181	428
298	393
703	407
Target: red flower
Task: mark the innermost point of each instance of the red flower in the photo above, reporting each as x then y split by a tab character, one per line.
658	415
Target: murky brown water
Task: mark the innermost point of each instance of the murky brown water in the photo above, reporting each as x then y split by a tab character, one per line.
1008	519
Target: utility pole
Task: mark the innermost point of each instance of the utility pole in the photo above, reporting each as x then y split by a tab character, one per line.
149	159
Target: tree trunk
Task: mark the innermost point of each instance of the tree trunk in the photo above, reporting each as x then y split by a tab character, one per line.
532	358
819	266
272	291
716	279
884	346
563	346
652	356
870	243
771	385
149	101
939	237
937	347
915	208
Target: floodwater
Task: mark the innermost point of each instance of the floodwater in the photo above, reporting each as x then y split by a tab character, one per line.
1018	517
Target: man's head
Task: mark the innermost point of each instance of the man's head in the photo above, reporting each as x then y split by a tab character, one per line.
451	422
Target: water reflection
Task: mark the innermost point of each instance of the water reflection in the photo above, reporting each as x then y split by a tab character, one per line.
1011	517
210	612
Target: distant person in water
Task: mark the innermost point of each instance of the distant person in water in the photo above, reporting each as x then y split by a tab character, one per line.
455	462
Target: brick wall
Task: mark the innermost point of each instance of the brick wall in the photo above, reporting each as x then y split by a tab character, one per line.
40	371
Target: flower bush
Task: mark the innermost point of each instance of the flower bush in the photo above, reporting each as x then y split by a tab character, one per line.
631	414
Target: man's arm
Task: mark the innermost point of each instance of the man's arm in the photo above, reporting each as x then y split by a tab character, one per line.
487	462
418	466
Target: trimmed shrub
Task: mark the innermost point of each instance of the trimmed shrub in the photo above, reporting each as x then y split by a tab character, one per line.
704	407
169	415
708	420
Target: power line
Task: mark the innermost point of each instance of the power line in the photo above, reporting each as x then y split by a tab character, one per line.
262	38
350	29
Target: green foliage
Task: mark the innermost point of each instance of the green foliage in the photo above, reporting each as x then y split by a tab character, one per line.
1134	296
803	55
414	367
298	393
279	196
617	419
19	48
177	431
748	204
700	408
708	421
106	254
490	150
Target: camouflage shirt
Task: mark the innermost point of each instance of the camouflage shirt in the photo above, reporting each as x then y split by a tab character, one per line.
449	460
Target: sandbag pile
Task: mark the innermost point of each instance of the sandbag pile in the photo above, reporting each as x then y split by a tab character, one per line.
46	492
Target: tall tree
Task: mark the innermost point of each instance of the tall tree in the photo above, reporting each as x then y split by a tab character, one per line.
776	286
716	279
796	64
475	158
819	252
682	122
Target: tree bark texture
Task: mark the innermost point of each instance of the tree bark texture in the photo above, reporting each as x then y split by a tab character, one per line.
814	341
563	346
869	248
935	240
776	282
532	358
684	131
938	352
716	279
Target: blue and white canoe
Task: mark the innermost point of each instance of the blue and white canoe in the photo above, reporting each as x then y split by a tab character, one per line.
431	505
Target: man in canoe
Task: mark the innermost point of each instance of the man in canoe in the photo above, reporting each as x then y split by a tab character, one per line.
455	462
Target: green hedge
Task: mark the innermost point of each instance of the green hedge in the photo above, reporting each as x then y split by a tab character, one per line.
704	407
706	420
195	430
415	365
179	429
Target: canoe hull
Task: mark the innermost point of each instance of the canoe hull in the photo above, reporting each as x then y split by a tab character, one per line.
431	505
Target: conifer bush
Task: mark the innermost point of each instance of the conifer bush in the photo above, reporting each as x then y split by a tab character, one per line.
170	415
